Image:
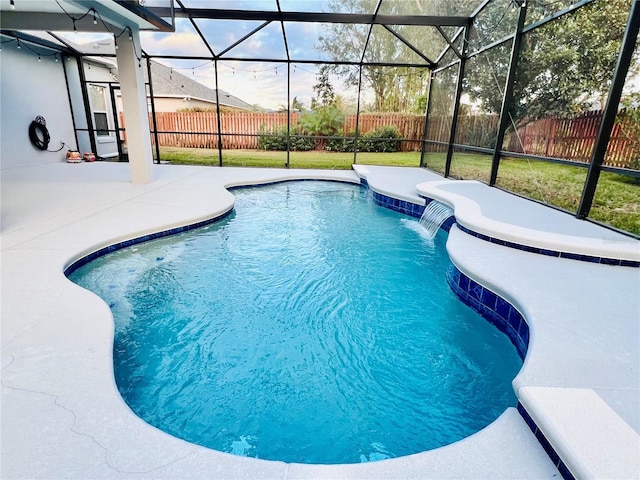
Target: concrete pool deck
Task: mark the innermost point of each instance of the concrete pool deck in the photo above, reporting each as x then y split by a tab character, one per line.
62	416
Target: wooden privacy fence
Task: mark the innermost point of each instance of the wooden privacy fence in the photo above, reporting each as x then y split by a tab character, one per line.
574	139
570	139
240	129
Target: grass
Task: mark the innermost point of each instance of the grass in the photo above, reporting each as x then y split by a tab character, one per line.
262	158
616	202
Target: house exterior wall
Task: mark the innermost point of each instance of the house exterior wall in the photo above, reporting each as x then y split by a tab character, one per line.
29	88
166	104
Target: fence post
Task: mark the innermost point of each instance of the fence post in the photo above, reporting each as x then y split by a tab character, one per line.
507	98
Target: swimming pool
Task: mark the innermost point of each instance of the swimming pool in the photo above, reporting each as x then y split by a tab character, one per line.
401	365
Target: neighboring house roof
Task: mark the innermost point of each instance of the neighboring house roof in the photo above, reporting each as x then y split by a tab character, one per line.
166	81
170	83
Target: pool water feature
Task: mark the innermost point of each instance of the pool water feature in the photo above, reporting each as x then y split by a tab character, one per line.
309	326
433	216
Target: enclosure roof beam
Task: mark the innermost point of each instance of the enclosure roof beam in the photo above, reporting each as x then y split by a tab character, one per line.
284	60
366	43
195	26
449	42
22	36
284	33
255	30
480	8
316	17
409	45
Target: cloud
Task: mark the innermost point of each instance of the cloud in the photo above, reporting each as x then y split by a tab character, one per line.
262	83
177	43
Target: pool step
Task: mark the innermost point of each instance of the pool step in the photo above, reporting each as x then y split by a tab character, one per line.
581	434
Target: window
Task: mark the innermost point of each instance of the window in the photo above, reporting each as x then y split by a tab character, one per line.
99	107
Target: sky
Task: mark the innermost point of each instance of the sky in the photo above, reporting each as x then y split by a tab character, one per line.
257	82
261	83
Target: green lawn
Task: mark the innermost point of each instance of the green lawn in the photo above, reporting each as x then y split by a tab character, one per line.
617	201
262	158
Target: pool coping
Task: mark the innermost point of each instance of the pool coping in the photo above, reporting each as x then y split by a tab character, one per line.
624	251
572	453
58	371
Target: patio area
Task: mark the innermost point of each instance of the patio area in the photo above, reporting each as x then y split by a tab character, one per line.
64	418
499	102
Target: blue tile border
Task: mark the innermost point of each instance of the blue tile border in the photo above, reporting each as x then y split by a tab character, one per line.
403	206
165	233
286	180
552	253
495	309
134	241
491	306
544	443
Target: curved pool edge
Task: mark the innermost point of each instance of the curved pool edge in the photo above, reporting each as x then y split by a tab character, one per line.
564	343
472	220
504	429
80	411
132	238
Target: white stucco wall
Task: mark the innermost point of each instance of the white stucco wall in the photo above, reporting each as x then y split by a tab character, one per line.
28	88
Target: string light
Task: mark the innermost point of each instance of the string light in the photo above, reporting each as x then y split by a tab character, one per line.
96	16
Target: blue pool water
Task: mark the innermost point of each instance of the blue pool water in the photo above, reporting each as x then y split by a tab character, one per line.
309	326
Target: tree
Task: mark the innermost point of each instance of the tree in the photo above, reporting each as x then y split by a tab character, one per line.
394	88
324	90
297	105
564	66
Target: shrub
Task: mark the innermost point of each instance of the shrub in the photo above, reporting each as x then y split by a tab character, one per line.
382	139
341	144
302	144
323	121
272	138
275	138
